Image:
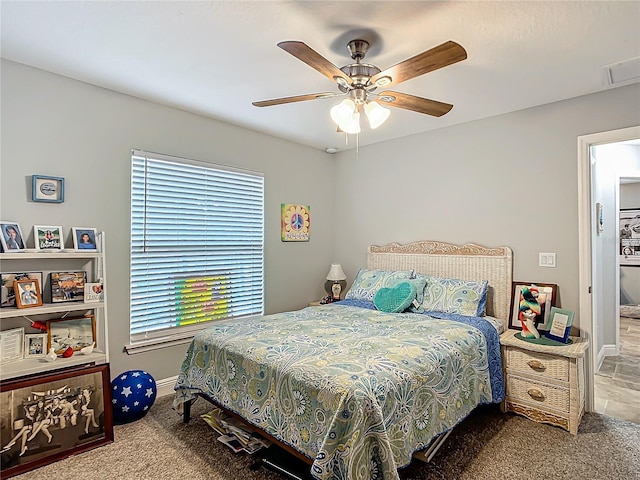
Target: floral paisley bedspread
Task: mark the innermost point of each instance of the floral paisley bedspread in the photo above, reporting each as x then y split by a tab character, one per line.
356	390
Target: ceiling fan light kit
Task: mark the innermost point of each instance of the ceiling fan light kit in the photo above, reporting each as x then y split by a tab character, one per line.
360	80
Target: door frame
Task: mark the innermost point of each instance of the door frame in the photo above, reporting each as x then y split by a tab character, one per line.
585	231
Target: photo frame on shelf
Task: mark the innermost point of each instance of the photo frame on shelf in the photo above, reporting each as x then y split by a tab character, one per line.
77	333
35	345
11	238
47	189
90	427
535	296
94	292
11	345
560	322
629	248
27	292
84	238
8	296
67	286
48	237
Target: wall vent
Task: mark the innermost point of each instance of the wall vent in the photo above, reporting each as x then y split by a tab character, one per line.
622	73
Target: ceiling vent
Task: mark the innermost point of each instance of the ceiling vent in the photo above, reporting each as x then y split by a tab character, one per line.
622	73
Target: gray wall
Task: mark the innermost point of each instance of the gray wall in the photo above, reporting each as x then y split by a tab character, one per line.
506	180
52	125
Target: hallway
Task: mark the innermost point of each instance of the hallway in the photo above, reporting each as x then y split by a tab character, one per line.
617	383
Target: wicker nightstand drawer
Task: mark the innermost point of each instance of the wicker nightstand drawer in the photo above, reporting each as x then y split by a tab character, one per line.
537	393
544	382
540	364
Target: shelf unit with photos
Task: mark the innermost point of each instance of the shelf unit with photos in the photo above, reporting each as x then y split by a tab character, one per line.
93	263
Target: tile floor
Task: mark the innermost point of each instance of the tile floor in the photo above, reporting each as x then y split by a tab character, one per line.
617	383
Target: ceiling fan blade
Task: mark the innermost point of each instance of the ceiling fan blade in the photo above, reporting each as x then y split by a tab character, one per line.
312	58
297	98
438	57
411	102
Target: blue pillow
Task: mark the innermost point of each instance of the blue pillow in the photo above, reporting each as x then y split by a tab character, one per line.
368	282
452	295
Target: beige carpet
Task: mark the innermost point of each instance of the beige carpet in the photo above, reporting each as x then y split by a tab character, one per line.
488	445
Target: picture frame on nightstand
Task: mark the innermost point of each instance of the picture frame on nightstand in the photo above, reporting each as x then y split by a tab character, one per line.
560	322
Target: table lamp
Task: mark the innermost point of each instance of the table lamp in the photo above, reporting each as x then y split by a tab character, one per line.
336	282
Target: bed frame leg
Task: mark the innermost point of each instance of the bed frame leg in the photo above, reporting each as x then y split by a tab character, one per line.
426	455
186	411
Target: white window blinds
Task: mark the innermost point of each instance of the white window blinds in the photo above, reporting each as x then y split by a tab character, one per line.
197	245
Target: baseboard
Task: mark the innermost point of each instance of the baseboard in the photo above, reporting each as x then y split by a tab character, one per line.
165	386
606	351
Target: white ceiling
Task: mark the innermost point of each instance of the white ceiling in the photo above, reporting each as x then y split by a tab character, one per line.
215	58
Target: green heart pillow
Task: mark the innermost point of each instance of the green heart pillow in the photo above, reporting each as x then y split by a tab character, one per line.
396	299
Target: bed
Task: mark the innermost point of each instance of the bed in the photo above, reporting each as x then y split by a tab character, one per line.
354	391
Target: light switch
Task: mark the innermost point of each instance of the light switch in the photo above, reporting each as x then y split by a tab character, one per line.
547	260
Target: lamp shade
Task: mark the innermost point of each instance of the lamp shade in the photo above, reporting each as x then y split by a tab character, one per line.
336	273
376	114
342	112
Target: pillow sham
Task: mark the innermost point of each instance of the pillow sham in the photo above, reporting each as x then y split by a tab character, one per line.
368	282
395	299
452	295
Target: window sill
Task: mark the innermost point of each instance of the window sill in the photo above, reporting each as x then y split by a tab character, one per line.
155	344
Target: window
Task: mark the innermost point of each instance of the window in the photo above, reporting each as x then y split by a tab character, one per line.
197	247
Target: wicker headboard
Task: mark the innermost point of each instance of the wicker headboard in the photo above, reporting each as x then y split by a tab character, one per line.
466	262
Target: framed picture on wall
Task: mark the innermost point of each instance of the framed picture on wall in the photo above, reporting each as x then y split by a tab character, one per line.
47	189
629	248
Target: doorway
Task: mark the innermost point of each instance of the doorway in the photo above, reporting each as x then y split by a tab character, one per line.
599	172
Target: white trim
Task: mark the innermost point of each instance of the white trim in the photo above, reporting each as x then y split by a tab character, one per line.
165	386
587	322
605	351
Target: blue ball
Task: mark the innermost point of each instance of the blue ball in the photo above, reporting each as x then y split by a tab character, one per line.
132	394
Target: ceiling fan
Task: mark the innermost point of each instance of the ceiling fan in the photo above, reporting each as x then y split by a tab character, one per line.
359	81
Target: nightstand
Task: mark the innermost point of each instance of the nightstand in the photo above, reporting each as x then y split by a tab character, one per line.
544	383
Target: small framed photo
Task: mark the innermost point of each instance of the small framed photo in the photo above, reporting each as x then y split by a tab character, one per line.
94	292
8	297
67	286
560	325
534	296
76	333
47	189
84	238
35	345
11	345
48	237
77	407
27	293
11	237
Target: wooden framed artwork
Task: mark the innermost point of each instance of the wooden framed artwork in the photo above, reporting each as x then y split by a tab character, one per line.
76	333
84	238
8	297
47	189
79	418
67	286
534	296
48	237
560	322
629	248
35	345
11	238
27	292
